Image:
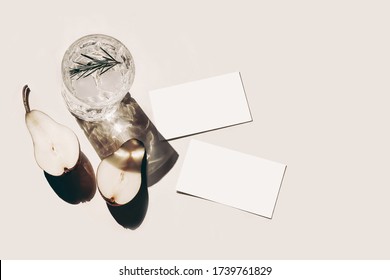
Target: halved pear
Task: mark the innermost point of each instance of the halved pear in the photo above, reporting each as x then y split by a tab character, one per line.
56	148
57	153
120	175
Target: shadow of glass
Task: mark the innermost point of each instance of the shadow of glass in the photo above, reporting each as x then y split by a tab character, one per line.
130	121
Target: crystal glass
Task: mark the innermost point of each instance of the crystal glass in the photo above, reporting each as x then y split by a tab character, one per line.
97	72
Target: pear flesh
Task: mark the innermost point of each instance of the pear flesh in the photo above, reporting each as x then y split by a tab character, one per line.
120	175
57	152
56	147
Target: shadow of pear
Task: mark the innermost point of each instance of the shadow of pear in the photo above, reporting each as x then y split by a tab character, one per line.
77	185
132	214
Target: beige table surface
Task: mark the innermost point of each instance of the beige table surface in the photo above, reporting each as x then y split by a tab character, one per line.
316	74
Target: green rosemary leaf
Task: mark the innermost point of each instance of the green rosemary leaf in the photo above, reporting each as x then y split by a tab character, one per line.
108	54
89	57
102	72
108	58
98	65
91	71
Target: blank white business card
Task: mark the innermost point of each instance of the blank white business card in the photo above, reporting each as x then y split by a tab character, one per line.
200	106
232	178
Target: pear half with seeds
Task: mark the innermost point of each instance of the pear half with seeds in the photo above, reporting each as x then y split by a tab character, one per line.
57	153
120	175
122	182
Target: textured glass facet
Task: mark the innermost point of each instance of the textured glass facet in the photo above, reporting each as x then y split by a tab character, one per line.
97	72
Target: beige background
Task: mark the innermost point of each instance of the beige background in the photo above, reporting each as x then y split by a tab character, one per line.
316	75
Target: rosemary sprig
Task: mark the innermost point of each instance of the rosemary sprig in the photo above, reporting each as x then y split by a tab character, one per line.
99	65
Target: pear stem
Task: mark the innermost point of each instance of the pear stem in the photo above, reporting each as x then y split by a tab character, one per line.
25	93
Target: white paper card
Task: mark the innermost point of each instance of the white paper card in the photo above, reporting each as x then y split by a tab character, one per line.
239	180
200	106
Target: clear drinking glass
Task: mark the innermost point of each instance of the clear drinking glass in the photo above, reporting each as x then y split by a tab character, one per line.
97	72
